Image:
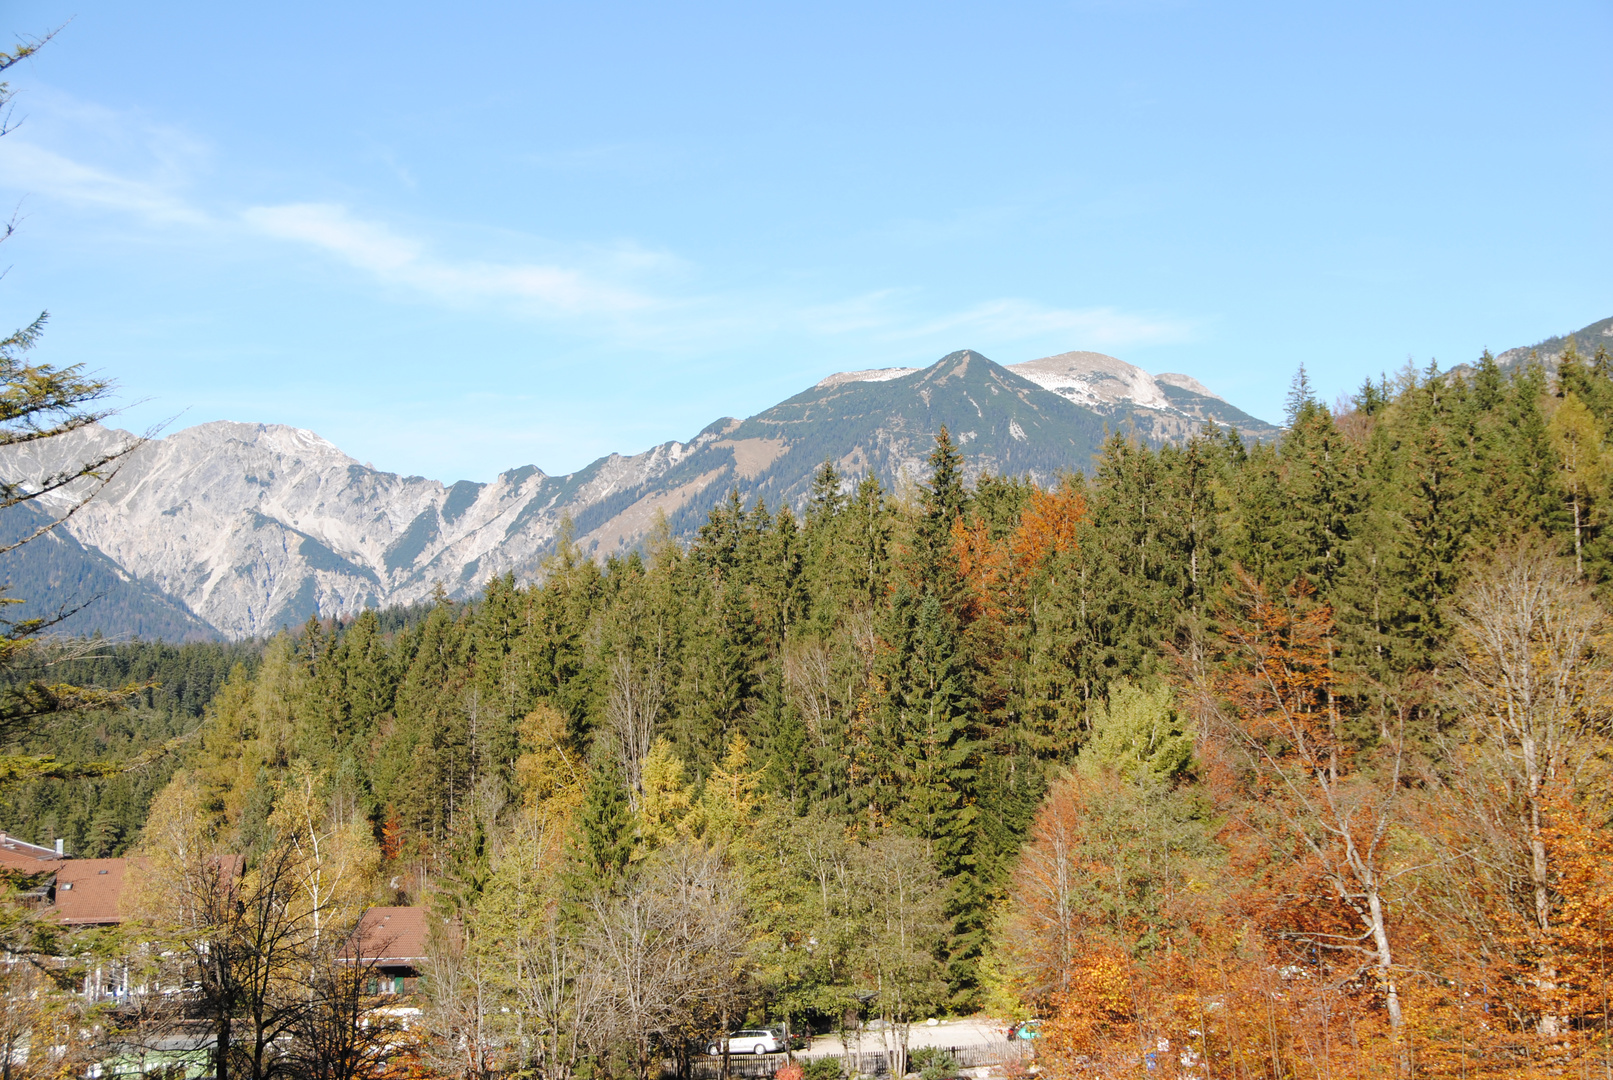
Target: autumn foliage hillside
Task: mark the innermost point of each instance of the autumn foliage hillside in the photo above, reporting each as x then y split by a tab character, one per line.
1224	760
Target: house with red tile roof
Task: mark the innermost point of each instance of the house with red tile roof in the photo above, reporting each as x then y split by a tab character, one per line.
89	892
393	940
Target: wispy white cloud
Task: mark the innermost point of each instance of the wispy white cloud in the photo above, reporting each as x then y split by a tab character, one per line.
622	290
31	168
395	258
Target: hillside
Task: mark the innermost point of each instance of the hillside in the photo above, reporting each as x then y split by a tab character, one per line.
933	706
1003	424
244	528
1586	341
55	575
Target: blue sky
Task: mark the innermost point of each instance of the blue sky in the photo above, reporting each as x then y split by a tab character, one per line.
458	239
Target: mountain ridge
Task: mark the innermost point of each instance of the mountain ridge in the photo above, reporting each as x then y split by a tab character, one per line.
1585	340
250	527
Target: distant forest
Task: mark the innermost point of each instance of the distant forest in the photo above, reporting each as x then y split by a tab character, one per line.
1295	756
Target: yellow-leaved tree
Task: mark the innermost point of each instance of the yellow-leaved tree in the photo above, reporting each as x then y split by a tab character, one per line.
1583	465
264	938
667	798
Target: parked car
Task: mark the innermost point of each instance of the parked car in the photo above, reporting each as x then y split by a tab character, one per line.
1025	1029
750	1041
799	1040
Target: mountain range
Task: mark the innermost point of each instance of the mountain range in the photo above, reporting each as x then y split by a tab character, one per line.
235	530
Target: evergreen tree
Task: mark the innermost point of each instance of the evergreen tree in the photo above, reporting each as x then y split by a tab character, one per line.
605	822
944	501
1299	396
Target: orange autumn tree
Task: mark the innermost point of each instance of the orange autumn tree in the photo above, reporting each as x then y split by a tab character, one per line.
1109	892
1000	572
1008	575
1520	917
1312	816
1582	938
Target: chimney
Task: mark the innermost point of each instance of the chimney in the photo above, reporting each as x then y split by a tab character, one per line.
59	843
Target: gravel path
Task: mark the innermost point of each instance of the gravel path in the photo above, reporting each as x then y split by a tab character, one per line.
973	1031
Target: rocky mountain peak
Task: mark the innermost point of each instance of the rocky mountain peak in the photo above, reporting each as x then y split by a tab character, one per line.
1094	379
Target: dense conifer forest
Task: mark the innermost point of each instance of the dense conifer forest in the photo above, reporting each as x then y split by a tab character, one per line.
104	766
1293	756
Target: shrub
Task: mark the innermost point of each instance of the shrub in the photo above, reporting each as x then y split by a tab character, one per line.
932	1063
825	1068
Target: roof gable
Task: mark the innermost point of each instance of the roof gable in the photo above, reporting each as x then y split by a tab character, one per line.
392	935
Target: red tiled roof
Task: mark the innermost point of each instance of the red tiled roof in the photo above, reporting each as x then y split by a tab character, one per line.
13	860
393	935
88	891
21	855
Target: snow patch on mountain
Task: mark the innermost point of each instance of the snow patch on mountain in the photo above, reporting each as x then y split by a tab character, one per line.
1095	380
840	378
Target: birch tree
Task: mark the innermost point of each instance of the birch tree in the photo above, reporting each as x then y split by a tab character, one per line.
1535	691
1326	812
901	916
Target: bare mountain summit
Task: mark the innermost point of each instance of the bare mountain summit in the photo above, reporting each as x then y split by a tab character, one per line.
1164	408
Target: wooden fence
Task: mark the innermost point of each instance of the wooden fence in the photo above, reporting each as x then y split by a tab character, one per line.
870	1063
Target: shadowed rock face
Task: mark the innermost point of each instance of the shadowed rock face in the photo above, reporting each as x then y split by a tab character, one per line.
251	527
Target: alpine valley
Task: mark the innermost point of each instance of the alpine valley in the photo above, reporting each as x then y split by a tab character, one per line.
237	529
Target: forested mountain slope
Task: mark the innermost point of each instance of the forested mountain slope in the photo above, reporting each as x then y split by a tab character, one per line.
1585	341
1218	744
1003	424
98	812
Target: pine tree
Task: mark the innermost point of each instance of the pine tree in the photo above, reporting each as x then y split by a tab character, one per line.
1196	479
606	823
1299	396
1321	492
865	540
1127	611
943	502
1433	505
